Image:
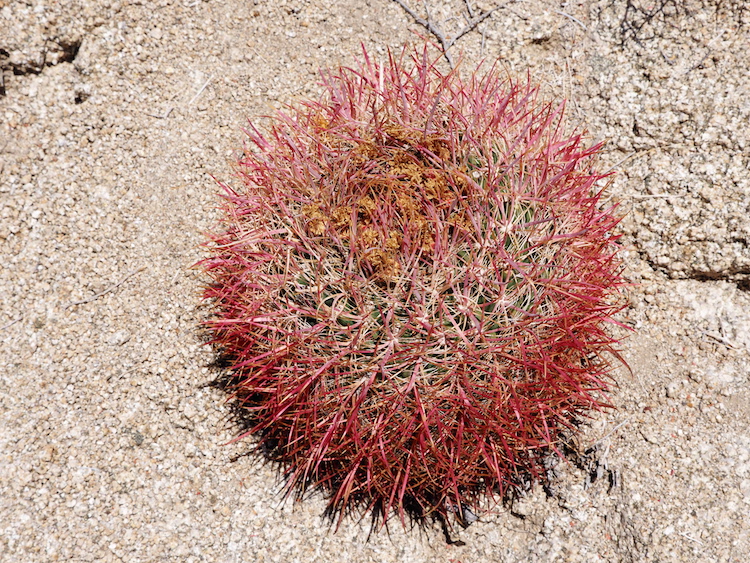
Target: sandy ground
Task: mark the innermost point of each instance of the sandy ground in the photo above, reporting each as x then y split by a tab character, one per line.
115	115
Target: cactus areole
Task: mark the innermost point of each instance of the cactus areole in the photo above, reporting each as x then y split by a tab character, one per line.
412	287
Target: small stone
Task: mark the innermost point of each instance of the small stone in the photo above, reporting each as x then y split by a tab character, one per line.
119	338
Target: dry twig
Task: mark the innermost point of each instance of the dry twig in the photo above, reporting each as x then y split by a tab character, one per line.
608	434
171	108
11	323
573	19
721	339
684	535
200	90
433	27
111	288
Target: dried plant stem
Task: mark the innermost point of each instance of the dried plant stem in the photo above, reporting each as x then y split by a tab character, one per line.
608	434
200	90
573	19
170	109
446	41
11	323
108	290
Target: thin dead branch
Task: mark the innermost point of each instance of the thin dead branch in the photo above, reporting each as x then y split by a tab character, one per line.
11	323
447	41
573	19
195	97
109	289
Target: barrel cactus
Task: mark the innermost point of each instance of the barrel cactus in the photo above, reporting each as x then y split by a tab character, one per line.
412	287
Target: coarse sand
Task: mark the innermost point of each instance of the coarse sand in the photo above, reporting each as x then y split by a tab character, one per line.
116	119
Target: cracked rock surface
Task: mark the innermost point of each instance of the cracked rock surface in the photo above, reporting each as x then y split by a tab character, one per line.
35	35
115	115
671	100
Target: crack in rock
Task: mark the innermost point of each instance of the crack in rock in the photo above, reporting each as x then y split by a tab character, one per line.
53	53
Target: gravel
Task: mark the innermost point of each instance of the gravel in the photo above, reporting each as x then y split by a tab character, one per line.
115	119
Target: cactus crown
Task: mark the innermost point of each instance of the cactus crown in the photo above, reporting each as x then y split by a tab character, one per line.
412	287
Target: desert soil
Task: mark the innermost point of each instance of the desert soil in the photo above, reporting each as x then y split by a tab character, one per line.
117	116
